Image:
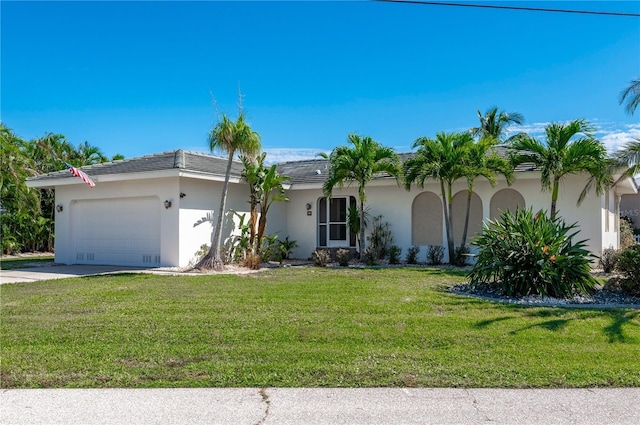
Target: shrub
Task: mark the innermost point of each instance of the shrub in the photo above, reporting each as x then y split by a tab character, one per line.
435	254
286	246
394	254
626	233
252	261
608	260
629	267
370	256
412	255
381	238
343	256
460	256
320	257
527	253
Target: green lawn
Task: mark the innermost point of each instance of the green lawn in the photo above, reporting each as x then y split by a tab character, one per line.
303	327
23	262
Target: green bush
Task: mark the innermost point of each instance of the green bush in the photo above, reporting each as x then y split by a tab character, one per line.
435	254
529	253
370	256
394	254
608	259
460	256
629	267
626	233
381	238
287	246
412	255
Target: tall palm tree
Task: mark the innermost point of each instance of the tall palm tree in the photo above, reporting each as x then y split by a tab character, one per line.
628	159
494	124
482	161
563	154
441	159
229	137
359	163
631	95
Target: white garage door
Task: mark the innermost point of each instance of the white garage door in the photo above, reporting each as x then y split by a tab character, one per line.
124	231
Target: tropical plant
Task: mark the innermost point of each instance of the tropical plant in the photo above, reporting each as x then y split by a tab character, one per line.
482	160
627	159
628	266
412	255
353	221
287	246
493	124
380	238
271	191
253	174
608	259
526	253
631	95
626	233
359	163
441	159
229	137
563	154
394	254
435	254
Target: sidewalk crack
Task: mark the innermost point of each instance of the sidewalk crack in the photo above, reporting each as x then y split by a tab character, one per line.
267	402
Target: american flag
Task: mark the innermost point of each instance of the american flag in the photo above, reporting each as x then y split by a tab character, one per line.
76	172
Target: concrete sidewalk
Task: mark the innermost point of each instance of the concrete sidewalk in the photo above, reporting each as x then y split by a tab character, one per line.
320	406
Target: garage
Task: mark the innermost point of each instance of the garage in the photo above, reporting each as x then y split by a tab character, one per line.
118	231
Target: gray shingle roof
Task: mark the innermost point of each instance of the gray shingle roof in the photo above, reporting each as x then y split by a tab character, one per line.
180	159
300	172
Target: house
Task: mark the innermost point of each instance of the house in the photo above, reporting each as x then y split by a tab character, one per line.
143	211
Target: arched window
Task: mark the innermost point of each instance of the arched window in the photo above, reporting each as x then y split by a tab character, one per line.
503	200
333	229
459	212
426	219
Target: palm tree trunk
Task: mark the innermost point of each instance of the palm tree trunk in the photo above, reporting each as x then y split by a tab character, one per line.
447	220
554	197
213	259
361	229
466	218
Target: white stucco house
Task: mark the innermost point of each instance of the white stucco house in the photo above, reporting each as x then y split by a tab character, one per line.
142	210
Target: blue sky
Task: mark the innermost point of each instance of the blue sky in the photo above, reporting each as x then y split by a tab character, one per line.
135	77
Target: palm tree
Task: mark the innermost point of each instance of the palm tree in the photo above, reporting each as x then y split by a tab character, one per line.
564	154
494	124
229	137
441	159
628	158
359	163
271	190
482	161
631	95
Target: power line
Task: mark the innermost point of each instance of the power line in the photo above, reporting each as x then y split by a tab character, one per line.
535	9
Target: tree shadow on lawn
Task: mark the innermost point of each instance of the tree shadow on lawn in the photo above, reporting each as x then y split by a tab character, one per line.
620	320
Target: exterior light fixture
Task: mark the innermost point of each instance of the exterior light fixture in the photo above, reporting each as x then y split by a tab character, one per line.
308	208
167	204
182	195
59	208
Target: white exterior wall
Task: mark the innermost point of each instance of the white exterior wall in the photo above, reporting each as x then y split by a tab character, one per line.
394	203
202	197
162	188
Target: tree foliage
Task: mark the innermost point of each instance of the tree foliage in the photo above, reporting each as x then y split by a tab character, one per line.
28	214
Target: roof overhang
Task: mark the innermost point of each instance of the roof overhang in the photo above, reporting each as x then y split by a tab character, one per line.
66	180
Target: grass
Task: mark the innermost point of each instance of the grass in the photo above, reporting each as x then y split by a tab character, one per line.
23	262
306	327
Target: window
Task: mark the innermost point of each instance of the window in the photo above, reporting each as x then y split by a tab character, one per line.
332	222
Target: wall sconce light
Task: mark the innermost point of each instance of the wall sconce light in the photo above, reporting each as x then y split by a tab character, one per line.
59	208
308	208
167	204
182	195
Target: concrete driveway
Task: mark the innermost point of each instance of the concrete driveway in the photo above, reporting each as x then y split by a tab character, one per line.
34	274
